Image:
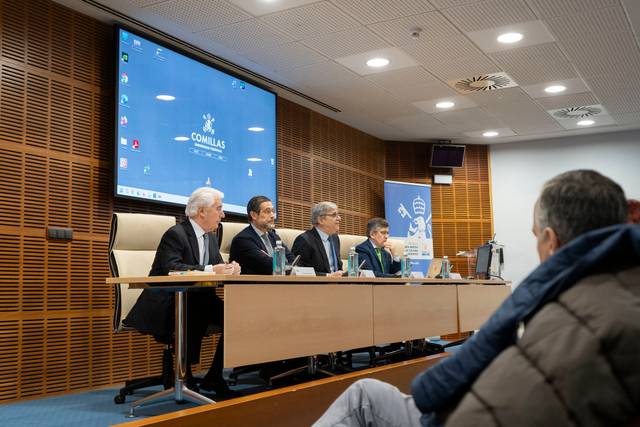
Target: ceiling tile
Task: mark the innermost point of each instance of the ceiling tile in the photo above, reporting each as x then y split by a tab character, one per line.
618	100
199	15
322	75
345	43
246	36
467	120
533	32
397	59
488	14
406	77
576	85
261	7
290	55
535	64
553	8
463	68
422	126
429	105
433	26
524	118
627	118
442	4
312	20
571	100
502	132
371	11
426	92
511	95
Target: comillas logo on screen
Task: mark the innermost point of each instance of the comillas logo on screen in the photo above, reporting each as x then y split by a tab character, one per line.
206	139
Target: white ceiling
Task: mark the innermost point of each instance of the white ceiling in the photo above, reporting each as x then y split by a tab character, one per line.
317	48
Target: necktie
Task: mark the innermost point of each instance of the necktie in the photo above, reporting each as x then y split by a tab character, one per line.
379	254
205	256
267	243
333	262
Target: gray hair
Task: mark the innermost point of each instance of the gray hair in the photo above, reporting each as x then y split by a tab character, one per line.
201	198
320	209
375	224
579	201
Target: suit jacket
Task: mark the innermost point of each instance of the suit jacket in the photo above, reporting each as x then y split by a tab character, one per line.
367	254
311	250
153	313
248	250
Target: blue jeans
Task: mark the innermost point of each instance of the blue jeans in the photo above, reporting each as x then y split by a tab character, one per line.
371	403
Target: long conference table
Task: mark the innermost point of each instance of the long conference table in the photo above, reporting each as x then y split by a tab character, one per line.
269	318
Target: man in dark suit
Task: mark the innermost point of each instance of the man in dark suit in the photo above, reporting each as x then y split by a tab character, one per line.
253	247
190	245
377	252
319	247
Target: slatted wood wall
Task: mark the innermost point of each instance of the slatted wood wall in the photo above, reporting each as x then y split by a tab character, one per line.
56	139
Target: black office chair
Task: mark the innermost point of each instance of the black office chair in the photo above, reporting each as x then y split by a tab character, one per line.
133	242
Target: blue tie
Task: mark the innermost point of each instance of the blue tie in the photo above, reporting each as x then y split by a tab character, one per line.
334	261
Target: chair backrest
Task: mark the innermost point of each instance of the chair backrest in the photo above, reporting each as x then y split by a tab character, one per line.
229	230
288	235
133	242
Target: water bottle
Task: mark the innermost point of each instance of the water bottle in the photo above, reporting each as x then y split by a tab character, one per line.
279	259
352	262
405	266
446	267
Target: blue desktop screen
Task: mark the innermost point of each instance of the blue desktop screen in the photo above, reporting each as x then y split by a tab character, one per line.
182	124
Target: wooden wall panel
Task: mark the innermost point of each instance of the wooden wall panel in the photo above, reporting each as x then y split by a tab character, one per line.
56	162
320	159
461	212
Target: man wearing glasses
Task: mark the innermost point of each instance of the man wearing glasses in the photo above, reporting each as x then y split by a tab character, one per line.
253	247
319	247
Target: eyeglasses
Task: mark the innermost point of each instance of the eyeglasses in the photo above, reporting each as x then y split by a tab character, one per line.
334	215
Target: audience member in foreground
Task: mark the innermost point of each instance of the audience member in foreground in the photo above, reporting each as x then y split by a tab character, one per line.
561	350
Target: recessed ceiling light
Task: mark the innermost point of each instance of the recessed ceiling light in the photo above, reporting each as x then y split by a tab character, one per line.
255	129
490	133
555	89
377	62
165	97
509	37
445	104
181	138
585	123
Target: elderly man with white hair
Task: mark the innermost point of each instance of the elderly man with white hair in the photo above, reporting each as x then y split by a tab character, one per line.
190	245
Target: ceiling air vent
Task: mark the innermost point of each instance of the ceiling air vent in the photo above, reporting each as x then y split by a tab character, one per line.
577	112
485	82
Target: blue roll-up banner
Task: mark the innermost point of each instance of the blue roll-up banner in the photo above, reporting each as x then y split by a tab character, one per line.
408	209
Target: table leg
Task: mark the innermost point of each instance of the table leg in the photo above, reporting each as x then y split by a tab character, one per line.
179	391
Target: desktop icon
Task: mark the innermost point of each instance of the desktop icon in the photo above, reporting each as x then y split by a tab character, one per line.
124	36
124	120
243	85
137	44
124	99
135	144
123	141
147	171
124	78
125	57
123	163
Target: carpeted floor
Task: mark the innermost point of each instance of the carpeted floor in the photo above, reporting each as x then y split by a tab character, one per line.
97	409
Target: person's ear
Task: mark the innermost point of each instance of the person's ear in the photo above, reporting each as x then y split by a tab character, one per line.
253	216
551	240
